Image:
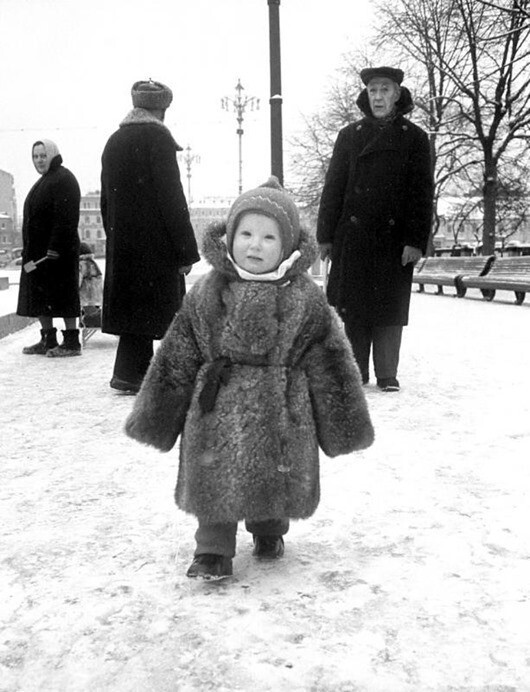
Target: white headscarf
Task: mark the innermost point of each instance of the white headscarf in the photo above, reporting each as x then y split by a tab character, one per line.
51	149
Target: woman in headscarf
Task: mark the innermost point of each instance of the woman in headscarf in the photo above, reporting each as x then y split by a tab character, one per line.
49	230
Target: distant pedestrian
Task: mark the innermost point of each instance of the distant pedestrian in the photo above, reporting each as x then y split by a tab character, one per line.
90	287
256	374
375	219
49	230
150	239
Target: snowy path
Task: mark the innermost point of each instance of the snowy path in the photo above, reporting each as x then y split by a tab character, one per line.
412	575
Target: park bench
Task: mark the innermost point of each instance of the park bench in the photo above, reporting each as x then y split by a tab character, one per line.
505	274
446	271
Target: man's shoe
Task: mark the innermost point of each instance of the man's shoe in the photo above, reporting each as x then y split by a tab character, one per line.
124	386
210	567
365	378
268	547
388	384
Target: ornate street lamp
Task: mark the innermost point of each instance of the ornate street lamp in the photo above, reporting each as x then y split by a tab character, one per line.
189	159
239	104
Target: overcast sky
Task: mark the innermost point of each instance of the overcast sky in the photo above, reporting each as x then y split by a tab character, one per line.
66	69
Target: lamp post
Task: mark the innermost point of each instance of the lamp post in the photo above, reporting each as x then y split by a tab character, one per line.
189	159
276	90
240	103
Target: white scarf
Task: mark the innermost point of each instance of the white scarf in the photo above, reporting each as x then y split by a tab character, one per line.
275	275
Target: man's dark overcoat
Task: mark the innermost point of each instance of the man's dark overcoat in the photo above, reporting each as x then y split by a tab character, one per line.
51	217
148	228
256	377
377	198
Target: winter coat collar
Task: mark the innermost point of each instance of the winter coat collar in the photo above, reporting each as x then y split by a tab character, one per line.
141	116
215	252
404	104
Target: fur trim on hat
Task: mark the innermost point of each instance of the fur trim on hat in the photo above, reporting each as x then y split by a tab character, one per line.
141	116
151	95
272	200
215	251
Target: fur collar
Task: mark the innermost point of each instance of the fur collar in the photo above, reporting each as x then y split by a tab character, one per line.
215	252
141	116
404	104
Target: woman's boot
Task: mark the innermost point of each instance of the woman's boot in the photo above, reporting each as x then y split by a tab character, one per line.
47	341
69	347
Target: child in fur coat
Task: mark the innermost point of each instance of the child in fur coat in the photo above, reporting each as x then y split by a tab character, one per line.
255	374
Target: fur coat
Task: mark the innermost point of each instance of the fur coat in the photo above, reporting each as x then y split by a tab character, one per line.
256	377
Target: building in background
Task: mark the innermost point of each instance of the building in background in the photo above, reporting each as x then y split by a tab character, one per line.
91	223
8	200
461	223
10	237
208	209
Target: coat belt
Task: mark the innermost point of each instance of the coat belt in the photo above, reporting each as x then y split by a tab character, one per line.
218	373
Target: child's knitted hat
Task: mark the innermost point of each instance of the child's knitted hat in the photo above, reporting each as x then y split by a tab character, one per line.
272	200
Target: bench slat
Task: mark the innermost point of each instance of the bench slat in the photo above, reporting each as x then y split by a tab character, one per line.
446	271
505	273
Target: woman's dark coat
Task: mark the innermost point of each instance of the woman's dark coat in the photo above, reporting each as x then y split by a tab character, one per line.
255	376
51	217
377	198
148	228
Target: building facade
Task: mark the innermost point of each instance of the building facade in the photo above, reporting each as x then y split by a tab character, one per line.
460	229
206	210
8	201
10	237
91	224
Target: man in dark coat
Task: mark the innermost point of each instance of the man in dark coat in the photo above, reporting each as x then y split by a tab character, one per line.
150	239
375	219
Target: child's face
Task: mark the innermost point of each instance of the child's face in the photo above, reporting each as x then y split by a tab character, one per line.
257	245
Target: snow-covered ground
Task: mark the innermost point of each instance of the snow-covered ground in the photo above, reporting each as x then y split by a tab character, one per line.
413	575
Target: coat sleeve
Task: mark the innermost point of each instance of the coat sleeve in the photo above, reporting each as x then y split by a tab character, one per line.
420	193
340	410
171	200
332	199
160	408
66	201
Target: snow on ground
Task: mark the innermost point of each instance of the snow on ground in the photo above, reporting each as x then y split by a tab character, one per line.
411	576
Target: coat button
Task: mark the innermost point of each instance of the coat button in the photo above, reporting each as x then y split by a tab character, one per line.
354	219
391	222
359	127
357	190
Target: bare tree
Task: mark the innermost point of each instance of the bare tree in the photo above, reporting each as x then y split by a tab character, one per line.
475	55
311	149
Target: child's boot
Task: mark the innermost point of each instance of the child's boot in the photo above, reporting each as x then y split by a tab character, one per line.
48	340
210	567
268	547
69	347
